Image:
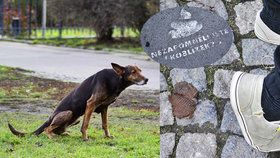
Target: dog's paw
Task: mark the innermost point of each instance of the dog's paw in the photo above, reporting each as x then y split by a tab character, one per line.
110	137
50	137
85	139
66	133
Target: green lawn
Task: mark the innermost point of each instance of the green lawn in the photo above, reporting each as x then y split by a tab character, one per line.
136	134
14	84
128	44
86	38
136	131
79	32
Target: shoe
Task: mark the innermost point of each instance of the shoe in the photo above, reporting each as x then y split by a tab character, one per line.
264	33
246	97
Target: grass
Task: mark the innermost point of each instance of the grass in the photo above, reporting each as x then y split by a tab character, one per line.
66	33
80	32
14	84
7	73
86	38
136	134
127	44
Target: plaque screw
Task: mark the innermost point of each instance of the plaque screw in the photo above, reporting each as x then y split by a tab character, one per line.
147	44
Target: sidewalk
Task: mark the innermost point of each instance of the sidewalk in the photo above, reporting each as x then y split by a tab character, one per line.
70	64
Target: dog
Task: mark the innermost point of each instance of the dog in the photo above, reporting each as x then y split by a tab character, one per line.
94	94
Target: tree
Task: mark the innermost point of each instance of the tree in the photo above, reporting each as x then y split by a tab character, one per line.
139	11
100	15
104	15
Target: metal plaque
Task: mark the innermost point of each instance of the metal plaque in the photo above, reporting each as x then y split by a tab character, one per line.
186	37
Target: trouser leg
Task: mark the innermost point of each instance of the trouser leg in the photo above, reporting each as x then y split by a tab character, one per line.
271	14
271	91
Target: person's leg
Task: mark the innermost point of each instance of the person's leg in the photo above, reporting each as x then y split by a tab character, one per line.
255	100
271	14
268	21
271	91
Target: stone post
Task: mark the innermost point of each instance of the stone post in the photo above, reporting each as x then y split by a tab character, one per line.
165	4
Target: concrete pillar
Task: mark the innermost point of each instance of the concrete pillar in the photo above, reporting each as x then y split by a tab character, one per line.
165	4
44	18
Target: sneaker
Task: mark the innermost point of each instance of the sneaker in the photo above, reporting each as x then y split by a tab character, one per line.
264	32
245	95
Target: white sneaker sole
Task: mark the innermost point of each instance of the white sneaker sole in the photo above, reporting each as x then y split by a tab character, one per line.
236	108
264	33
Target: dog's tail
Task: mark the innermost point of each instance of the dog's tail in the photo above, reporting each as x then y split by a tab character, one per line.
36	132
15	132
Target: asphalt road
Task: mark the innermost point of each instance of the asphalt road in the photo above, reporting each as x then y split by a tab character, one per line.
70	64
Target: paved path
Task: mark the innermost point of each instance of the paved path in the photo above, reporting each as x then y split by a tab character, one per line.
213	131
72	64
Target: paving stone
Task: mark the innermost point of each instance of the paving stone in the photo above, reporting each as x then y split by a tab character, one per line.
205	113
259	71
163	83
165	4
257	52
196	77
246	15
237	147
222	81
215	5
166	116
167	143
232	55
229	122
197	145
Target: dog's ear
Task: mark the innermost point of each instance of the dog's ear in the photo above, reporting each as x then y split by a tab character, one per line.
120	70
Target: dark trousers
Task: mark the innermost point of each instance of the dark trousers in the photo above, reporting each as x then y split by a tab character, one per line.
271	14
271	91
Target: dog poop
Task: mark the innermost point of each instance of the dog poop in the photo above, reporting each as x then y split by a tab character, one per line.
183	100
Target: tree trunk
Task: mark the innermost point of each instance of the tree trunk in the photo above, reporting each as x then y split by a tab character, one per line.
105	34
122	31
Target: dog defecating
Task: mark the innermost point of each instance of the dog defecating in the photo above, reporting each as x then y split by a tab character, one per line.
94	94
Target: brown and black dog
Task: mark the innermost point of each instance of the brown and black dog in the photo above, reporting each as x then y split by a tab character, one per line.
96	93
